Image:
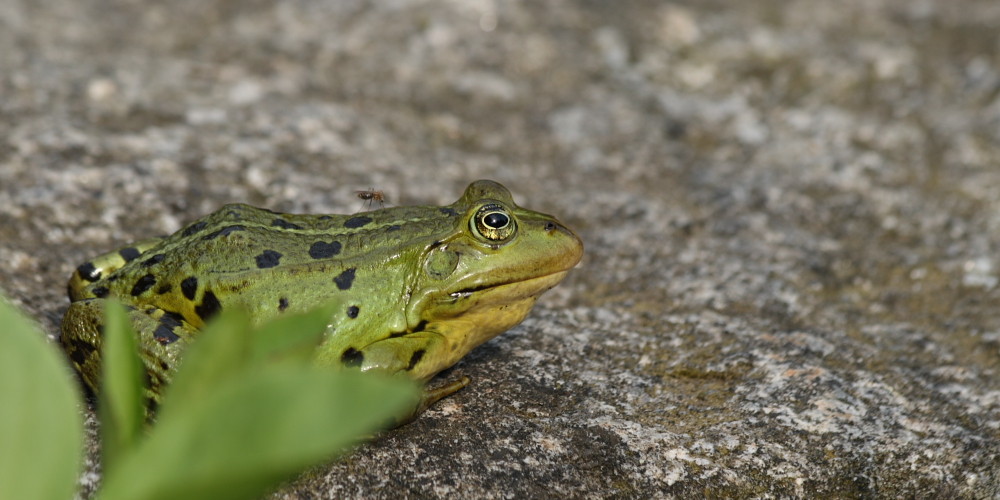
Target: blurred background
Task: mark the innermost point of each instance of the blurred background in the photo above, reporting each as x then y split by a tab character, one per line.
790	210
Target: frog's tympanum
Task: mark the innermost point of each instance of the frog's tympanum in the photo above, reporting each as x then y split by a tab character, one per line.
414	288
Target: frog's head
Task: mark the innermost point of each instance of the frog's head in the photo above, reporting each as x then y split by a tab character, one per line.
483	277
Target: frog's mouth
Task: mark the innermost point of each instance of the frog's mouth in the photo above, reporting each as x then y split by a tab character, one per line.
501	305
470	316
484	309
517	290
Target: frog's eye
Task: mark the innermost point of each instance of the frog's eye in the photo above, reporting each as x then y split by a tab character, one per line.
494	223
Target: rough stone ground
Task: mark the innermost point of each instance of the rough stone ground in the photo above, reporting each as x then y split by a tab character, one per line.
791	211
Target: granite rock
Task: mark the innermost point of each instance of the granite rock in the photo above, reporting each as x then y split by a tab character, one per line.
790	210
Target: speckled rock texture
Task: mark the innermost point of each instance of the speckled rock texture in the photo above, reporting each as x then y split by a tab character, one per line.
791	212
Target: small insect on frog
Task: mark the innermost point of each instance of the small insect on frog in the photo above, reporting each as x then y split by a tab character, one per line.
372	196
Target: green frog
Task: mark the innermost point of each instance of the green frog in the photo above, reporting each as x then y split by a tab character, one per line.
414	288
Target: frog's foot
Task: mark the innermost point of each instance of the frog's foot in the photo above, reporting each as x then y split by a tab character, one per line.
418	355
428	398
436	394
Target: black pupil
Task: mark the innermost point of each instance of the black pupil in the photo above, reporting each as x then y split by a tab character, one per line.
496	220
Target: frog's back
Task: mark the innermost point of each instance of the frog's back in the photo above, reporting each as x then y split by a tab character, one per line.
252	256
239	239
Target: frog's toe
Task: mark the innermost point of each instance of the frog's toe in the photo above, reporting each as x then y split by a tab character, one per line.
428	398
436	394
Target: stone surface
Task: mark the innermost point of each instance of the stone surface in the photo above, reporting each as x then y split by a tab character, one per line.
790	210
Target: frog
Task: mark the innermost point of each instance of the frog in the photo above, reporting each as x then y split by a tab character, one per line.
413	288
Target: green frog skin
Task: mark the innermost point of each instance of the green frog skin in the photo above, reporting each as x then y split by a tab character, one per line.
414	288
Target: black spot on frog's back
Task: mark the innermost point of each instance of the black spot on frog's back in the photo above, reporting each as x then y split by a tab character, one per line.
284	224
356	222
154	260
142	284
226	231
129	253
189	287
210	306
88	272
324	250
194	228
345	279
268	259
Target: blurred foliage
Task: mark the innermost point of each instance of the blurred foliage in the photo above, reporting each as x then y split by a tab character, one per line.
247	409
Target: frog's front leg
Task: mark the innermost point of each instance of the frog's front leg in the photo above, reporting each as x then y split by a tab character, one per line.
161	337
418	355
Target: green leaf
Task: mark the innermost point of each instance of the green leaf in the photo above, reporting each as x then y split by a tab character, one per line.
228	345
221	350
249	433
293	337
41	429
121	400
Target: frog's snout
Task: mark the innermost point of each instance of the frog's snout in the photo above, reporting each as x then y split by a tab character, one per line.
572	246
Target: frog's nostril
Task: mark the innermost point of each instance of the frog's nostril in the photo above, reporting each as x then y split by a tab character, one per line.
549	226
